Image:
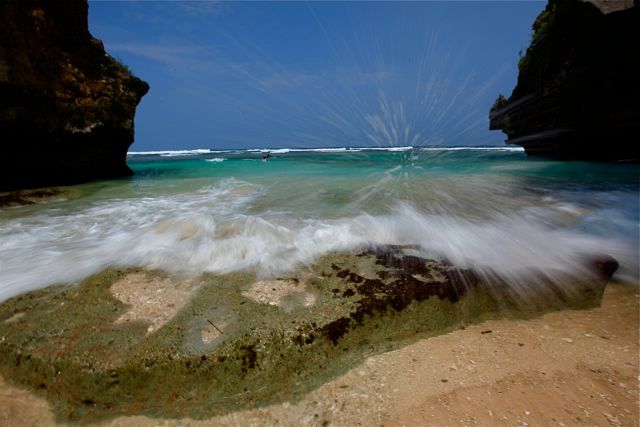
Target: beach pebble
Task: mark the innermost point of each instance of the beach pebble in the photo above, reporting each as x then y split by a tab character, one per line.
613	420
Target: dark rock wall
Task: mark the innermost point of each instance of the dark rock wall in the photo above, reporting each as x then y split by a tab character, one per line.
578	90
66	106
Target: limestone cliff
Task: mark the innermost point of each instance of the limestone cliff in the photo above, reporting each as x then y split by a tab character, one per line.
66	106
578	89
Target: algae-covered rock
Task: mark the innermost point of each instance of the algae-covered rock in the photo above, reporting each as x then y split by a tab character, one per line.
31	197
108	347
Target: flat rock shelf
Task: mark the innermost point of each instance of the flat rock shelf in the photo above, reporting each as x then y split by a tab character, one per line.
136	342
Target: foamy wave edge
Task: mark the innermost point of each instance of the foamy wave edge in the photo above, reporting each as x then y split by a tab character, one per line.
171	153
201	151
209	232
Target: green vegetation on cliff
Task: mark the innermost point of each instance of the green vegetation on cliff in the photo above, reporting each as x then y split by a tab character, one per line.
577	84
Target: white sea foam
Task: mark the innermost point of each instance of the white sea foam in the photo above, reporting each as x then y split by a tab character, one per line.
215	160
172	153
213	230
269	150
513	149
303	150
201	151
326	150
392	149
389	148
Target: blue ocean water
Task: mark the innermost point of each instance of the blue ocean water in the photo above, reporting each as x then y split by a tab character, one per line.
227	210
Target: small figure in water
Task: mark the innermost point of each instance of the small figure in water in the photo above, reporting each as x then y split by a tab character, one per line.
265	157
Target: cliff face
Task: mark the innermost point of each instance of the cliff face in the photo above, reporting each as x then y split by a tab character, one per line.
578	90
66	106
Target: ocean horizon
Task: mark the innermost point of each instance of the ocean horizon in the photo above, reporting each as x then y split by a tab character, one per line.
284	150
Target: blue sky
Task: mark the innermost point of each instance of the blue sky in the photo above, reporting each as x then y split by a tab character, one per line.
316	74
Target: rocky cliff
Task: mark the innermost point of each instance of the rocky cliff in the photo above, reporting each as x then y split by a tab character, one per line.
578	90
66	106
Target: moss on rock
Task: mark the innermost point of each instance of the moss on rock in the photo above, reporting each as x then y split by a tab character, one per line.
226	350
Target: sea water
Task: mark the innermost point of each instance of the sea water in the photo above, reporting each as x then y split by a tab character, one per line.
492	209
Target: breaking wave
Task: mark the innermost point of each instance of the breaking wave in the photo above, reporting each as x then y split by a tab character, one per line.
205	151
173	153
217	229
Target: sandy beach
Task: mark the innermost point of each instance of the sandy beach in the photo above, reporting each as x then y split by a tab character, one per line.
564	368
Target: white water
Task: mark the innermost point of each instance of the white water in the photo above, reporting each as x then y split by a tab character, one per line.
215	230
171	153
204	151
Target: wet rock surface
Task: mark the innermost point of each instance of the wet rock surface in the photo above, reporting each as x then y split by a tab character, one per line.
31	197
66	106
230	347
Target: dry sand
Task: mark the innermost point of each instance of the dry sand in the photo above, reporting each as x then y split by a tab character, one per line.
565	368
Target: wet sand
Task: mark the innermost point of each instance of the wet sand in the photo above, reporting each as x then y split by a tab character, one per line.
564	368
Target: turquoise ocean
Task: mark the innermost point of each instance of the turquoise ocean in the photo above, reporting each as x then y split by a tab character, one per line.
193	211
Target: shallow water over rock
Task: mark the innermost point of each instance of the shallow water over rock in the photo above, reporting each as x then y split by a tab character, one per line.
142	342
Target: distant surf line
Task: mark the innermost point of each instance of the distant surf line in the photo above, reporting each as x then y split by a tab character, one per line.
205	151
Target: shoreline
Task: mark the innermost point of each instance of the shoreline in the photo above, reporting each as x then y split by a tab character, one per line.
136	343
563	368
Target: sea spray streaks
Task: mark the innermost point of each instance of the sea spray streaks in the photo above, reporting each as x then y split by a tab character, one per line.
409	86
277	226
